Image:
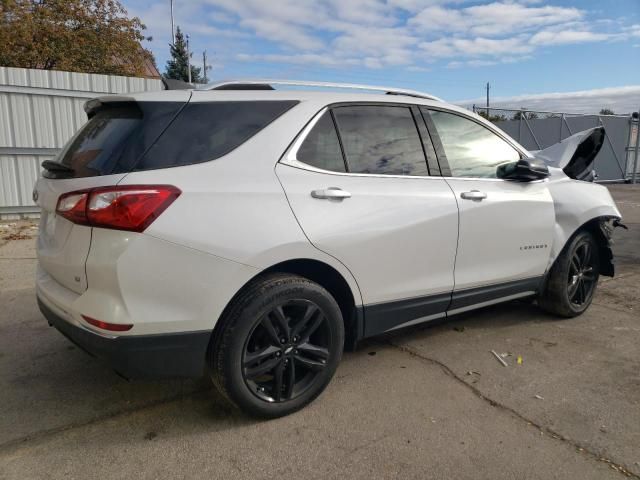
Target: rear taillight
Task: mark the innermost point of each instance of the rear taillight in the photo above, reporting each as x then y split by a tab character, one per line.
73	206
127	207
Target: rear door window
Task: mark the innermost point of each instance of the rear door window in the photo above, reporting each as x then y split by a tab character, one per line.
206	131
380	140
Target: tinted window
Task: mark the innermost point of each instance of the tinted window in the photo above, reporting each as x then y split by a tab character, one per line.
206	131
115	138
472	150
321	147
381	140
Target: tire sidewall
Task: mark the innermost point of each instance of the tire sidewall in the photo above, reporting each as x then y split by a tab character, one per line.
564	271
250	314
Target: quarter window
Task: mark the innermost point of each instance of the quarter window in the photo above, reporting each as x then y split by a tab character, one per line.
380	140
472	150
321	148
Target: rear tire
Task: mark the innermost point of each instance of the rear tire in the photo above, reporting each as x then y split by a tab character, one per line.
278	347
573	278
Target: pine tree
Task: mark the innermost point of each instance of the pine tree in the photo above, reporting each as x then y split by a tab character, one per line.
177	67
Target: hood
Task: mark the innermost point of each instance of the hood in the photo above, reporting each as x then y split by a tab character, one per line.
575	154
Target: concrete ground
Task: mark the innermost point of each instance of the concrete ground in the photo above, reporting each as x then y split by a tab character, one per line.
427	402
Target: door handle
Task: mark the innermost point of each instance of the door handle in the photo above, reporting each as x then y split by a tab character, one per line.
330	193
475	195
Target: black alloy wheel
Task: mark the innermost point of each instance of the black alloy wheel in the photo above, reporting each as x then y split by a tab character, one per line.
572	280
286	351
582	276
277	346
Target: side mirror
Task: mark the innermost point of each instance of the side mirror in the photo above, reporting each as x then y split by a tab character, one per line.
524	170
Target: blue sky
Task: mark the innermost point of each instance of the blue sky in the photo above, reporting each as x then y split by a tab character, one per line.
450	48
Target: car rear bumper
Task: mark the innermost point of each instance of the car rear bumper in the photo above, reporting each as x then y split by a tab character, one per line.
139	356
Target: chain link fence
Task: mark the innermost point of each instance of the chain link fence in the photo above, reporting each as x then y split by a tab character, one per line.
619	158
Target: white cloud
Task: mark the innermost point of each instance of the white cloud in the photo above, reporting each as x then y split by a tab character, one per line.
487	63
416	68
363	12
383	33
302	59
549	37
390	45
464	47
619	99
213	31
283	33
633	30
494	19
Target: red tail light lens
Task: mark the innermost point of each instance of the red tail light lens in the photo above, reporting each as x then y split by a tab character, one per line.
128	207
73	206
112	327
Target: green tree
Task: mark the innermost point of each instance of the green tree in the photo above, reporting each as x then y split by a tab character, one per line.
91	36
527	115
177	66
607	111
492	118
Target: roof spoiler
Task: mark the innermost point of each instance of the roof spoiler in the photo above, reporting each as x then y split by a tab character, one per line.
92	106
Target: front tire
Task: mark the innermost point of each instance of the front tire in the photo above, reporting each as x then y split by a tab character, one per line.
573	278
280	343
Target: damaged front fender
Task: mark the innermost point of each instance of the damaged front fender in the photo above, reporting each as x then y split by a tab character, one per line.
579	206
576	154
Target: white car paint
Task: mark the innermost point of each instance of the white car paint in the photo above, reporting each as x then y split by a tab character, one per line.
396	238
412	222
575	203
494	239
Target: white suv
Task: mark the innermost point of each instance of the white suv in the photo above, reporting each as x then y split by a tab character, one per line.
255	233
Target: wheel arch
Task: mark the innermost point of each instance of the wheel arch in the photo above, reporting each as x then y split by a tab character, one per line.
326	276
601	228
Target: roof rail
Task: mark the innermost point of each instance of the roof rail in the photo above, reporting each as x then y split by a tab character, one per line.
264	84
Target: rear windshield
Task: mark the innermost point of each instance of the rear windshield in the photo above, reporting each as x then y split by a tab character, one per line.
116	138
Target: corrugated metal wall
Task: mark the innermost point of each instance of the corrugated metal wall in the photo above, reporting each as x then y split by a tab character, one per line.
39	111
539	133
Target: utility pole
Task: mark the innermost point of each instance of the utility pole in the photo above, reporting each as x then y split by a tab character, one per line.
173	30
204	66
188	60
634	173
488	87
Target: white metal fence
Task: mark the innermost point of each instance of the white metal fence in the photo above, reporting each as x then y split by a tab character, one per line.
39	111
535	130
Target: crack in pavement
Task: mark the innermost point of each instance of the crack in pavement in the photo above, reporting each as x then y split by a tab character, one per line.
552	433
47	433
